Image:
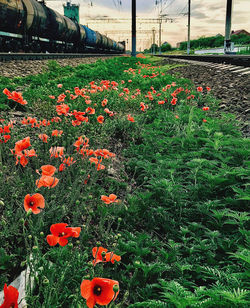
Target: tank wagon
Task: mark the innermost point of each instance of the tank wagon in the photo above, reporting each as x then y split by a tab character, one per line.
30	26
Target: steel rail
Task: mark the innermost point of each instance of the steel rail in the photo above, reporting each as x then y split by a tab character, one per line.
44	56
240	60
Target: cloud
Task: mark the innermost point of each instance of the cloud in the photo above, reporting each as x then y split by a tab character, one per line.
207	18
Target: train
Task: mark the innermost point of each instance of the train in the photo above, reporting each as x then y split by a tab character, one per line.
31	26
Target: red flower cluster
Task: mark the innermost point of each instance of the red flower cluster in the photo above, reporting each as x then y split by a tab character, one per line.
21	153
15	96
5	132
100	254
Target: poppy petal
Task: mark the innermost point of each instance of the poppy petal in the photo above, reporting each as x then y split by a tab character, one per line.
38	200
86	289
91	302
52	240
63	241
58	228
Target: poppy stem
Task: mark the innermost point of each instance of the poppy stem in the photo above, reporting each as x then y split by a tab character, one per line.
96	256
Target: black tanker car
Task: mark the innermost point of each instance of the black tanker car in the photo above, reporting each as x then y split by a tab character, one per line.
30	26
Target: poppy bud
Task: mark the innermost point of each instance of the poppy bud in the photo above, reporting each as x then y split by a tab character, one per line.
1	203
46	281
30	236
29	212
35	248
77	242
90	196
116	288
22	220
41	234
70	245
98	244
119	219
137	262
119	234
103	254
77	202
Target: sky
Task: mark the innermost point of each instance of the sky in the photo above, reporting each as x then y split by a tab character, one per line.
207	18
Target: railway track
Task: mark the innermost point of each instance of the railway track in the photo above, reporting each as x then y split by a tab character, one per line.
239	64
4	57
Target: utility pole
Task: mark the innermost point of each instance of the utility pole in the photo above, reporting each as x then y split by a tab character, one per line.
133	54
189	13
227	42
153	51
160	21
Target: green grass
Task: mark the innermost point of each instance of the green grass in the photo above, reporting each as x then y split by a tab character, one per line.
181	227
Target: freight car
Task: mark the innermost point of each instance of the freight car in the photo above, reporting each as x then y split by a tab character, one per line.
30	26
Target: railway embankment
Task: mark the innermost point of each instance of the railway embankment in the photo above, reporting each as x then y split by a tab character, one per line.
121	178
230	88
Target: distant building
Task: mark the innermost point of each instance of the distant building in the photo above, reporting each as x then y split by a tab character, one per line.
238	32
71	11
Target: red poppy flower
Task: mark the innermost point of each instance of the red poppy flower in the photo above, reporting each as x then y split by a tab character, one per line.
34	203
56	132
43	137
90	110
199	89
104	102
99	291
173	101
22	144
208	89
10	297
48	170
110	199
131	119
99	254
205	108
100	119
111	257
60	233
47	181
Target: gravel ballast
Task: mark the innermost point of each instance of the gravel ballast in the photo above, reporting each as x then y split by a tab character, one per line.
22	68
